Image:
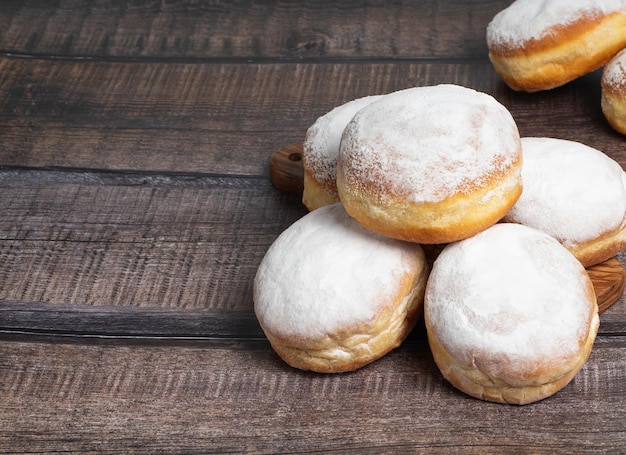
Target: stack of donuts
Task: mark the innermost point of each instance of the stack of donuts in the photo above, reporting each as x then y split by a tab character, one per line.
426	202
539	45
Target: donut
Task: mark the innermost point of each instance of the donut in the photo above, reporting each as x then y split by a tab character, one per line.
574	193
613	85
430	164
332	296
321	150
510	314
539	45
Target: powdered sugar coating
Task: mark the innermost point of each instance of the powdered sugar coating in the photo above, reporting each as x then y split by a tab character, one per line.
508	298
321	143
528	20
326	273
571	191
614	73
424	144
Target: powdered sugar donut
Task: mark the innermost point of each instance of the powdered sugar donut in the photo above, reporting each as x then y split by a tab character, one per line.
321	150
511	315
614	92
332	296
541	44
575	193
430	164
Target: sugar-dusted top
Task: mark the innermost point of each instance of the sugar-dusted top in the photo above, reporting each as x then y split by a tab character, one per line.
326	273
425	144
614	73
321	143
572	191
528	20
508	299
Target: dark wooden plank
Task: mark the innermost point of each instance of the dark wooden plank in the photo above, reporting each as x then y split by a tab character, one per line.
142	255
247	29
229	118
193	246
75	321
115	398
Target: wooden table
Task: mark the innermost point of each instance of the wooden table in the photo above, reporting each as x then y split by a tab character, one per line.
136	205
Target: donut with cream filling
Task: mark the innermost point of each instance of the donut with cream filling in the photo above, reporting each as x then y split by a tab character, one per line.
430	164
332	296
575	193
539	45
511	315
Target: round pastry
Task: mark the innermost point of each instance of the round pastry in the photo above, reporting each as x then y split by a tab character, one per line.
538	45
430	164
332	296
321	150
614	92
511	315
575	193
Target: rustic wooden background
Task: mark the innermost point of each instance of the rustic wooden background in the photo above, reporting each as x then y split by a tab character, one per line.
135	206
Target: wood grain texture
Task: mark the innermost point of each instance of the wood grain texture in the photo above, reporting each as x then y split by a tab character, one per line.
229	118
137	242
608	281
286	169
193	245
197	399
612	319
247	29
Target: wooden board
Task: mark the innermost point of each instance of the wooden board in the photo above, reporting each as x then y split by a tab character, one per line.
286	173
199	30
